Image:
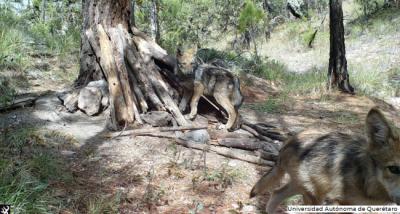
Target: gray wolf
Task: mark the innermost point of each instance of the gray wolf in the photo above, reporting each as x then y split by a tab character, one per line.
339	168
208	79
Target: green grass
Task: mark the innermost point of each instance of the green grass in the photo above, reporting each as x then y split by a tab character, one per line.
103	204
225	175
28	172
382	21
347	118
271	105
7	91
12	46
376	83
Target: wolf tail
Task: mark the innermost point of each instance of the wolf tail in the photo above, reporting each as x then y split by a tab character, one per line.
268	181
237	97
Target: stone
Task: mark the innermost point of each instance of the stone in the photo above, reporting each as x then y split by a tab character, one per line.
157	118
89	100
198	136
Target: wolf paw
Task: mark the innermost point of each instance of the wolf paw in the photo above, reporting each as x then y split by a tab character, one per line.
221	126
189	117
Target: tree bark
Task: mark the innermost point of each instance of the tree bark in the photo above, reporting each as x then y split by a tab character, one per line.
114	50
133	3
337	73
44	6
155	26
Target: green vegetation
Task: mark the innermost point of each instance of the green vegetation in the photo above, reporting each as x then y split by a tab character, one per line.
13	53
28	173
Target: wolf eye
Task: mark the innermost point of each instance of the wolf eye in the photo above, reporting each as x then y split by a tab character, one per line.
394	169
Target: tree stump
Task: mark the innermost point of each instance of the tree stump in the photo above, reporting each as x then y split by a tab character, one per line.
129	61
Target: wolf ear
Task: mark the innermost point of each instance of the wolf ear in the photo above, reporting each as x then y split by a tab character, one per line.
378	129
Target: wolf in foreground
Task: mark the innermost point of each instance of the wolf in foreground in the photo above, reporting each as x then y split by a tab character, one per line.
211	79
340	168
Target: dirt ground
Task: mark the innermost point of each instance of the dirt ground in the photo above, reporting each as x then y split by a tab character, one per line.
154	175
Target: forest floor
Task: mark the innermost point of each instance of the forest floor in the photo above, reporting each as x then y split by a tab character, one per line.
154	175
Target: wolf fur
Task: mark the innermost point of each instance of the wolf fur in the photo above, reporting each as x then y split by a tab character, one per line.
211	80
336	167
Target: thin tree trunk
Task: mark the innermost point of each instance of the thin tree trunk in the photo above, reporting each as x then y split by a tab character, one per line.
337	73
44	10
133	21
155	27
267	6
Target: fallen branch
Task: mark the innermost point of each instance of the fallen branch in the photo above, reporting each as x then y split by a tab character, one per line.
19	103
154	130
227	152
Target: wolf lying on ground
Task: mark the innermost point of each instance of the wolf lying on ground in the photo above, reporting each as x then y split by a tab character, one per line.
340	168
212	80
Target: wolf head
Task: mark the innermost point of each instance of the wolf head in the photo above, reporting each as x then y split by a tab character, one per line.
186	59
384	150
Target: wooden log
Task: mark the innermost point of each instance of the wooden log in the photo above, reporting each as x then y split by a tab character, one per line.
104	53
267	149
139	95
267	130
154	130
118	39
165	97
241	143
227	152
256	134
143	80
266	155
19	103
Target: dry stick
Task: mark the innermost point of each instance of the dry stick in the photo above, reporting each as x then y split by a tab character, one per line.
227	152
315	33
155	130
256	134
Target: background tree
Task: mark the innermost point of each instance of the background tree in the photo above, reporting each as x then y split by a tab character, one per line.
155	25
337	73
249	19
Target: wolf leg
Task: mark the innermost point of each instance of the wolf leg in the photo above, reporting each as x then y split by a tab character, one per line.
198	91
225	102
268	181
309	199
184	100
279	195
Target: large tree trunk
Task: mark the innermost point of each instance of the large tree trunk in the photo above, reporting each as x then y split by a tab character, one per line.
113	50
337	73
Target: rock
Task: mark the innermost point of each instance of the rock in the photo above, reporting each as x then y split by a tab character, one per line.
70	101
197	136
296	7
33	74
249	209
89	100
105	102
67	153
157	118
103	86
